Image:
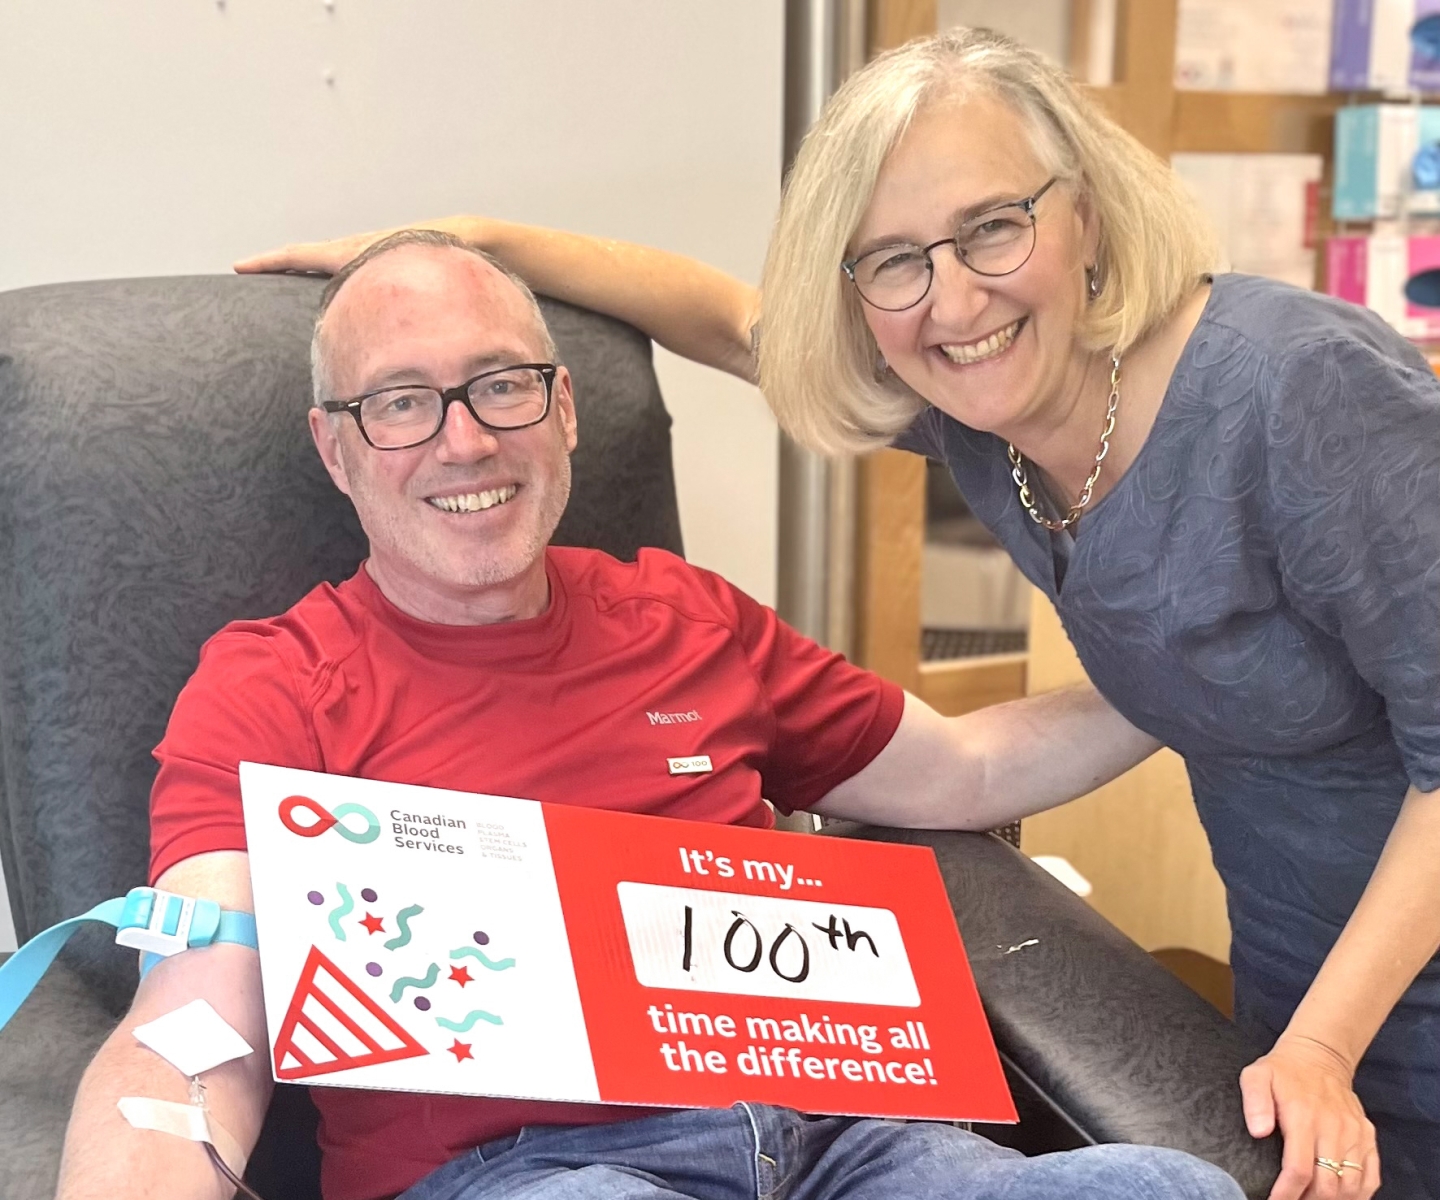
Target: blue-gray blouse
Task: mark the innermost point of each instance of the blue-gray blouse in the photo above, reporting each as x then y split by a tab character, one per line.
1261	592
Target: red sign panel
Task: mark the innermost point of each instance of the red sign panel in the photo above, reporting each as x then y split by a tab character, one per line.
718	963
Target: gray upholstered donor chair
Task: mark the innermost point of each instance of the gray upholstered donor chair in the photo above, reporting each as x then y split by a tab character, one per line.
156	481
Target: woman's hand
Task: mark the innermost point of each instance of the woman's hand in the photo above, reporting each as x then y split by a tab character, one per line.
1306	1089
695	310
324	258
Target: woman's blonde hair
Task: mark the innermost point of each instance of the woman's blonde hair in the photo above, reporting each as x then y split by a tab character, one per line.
818	359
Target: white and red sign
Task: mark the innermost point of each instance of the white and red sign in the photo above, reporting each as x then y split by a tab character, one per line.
415	939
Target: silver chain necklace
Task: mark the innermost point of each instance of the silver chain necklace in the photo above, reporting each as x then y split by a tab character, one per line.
1022	481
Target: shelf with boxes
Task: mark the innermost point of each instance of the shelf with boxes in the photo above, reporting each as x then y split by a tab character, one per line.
1384	252
1389	46
1387	161
1313	146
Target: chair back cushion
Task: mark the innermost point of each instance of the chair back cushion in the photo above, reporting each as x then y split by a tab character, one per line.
157	480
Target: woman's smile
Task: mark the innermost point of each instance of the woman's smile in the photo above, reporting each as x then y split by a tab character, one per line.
983	349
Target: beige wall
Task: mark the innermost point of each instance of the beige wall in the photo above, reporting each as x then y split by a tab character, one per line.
152	137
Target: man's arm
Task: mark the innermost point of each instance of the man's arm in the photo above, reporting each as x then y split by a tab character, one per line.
992	766
105	1157
691	308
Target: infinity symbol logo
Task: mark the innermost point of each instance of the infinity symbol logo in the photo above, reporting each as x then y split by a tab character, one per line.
325	819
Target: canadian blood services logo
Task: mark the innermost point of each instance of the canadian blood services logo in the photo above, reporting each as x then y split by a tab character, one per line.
325	819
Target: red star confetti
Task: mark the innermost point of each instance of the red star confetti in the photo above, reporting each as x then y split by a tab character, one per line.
460	975
373	923
461	1050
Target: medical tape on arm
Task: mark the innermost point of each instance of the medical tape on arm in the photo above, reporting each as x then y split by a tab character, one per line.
193	1039
192	1122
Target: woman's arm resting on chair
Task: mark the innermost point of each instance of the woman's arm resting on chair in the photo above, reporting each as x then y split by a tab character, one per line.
695	310
992	766
105	1157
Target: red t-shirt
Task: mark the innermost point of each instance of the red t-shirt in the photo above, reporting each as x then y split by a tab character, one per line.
630	665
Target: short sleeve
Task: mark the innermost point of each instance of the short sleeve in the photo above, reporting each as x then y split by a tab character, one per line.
240	705
1352	446
830	717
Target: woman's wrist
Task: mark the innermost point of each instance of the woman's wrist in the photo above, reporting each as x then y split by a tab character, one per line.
1318	1045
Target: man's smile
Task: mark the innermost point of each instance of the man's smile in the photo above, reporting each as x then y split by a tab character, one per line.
468	502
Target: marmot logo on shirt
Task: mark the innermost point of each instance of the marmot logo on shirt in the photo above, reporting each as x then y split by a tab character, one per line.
680	718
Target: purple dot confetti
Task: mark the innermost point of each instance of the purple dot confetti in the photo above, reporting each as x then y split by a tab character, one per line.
482	938
422	1003
373	968
316	898
368	895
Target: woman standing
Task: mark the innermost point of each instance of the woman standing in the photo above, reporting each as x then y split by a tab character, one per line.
1229	488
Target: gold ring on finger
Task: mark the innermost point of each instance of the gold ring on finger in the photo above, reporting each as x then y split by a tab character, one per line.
1338	1168
1351	1166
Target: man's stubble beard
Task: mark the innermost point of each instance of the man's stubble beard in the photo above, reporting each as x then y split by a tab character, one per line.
497	570
491	565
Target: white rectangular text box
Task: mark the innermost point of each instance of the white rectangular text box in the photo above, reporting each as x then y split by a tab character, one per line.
765	946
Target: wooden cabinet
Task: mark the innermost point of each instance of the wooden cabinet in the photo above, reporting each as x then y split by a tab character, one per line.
1137	840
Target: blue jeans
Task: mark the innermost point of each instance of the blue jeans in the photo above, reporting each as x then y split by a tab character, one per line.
755	1152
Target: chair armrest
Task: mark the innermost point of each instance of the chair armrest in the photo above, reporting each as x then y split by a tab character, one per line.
1100	1042
43	1052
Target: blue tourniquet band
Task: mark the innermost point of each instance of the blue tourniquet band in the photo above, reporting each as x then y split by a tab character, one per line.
235	927
23	970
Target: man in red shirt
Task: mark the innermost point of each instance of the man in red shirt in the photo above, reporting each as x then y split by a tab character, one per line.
465	654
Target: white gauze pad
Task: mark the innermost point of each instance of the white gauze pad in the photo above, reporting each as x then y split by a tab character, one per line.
193	1039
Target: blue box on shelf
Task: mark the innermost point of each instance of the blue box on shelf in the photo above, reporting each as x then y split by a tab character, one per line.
1387	161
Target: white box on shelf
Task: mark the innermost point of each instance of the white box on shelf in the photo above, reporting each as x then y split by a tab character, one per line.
1253	46
1262	206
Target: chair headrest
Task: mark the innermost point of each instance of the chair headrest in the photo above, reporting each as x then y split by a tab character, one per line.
156	481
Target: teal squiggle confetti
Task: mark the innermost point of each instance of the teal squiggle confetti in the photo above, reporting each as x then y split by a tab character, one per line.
402	919
346	907
410	981
503	964
464	1026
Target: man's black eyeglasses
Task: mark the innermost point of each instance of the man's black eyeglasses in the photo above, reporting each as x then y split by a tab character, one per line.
399	418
